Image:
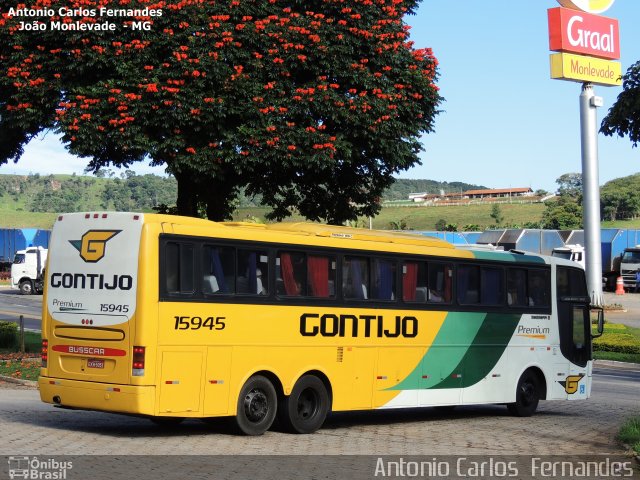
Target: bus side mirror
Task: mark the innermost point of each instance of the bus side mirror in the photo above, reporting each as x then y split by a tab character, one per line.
600	329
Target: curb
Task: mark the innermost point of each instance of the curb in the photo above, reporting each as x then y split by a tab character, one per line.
617	365
19	381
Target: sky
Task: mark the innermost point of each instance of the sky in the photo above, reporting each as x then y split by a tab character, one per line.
504	122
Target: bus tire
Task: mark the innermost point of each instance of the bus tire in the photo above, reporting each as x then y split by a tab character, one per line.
527	396
305	410
26	288
257	406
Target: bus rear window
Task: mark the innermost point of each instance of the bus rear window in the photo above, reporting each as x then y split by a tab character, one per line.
179	266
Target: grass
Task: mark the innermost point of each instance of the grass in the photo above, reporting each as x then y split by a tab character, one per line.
617	357
20	368
32	344
629	433
416	217
425	218
17	219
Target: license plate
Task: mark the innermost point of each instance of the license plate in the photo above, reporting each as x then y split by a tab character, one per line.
95	363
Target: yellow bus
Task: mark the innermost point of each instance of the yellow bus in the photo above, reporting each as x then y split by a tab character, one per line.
172	317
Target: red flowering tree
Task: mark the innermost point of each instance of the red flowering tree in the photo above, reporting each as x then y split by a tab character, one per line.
313	104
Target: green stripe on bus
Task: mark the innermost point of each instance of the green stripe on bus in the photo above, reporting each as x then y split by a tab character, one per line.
483	355
507	257
448	349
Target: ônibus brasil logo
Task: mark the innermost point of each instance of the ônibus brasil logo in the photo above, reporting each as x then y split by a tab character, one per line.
92	245
589	6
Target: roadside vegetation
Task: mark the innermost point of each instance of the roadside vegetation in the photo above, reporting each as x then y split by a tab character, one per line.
619	343
14	363
629	434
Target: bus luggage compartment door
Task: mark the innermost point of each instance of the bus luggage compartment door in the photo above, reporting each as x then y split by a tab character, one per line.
180	382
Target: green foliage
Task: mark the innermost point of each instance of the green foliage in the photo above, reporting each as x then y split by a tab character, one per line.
8	334
496	214
441	225
399	224
296	101
570	184
471	227
618	338
562	214
623	118
65	193
620	198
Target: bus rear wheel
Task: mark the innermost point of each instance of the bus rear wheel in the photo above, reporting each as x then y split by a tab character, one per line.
527	396
257	406
305	410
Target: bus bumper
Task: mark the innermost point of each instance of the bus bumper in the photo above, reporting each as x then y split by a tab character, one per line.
98	396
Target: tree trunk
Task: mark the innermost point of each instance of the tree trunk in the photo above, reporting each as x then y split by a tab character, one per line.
187	201
220	195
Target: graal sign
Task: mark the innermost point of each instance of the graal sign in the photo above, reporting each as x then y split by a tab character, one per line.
583	33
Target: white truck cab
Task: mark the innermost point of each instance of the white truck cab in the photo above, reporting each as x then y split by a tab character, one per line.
575	253
27	270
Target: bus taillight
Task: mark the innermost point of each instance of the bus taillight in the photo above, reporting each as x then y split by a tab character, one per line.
44	353
138	362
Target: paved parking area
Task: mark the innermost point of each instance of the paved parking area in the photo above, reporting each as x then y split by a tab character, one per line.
29	426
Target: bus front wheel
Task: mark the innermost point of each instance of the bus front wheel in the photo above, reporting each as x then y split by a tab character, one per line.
257	405
527	396
305	410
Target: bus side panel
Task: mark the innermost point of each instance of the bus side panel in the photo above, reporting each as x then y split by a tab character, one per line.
216	381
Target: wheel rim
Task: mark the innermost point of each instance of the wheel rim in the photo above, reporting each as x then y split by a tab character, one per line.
256	405
308	402
528	391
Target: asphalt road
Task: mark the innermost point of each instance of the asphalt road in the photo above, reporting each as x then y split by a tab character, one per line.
13	304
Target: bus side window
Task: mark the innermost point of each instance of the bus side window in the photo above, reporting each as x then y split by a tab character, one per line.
440	282
491	286
468	285
321	276
355	278
383	279
539	288
218	267
179	266
253	271
517	287
290	274
414	282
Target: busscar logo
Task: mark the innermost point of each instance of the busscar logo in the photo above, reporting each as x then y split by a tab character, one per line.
92	245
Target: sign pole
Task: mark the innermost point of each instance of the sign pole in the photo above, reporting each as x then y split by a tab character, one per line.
591	191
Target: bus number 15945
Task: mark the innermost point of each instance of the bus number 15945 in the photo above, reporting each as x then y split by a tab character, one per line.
196	323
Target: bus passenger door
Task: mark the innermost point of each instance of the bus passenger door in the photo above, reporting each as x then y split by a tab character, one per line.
180	382
574	325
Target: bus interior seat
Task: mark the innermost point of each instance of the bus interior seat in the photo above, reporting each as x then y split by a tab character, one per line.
421	294
210	284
